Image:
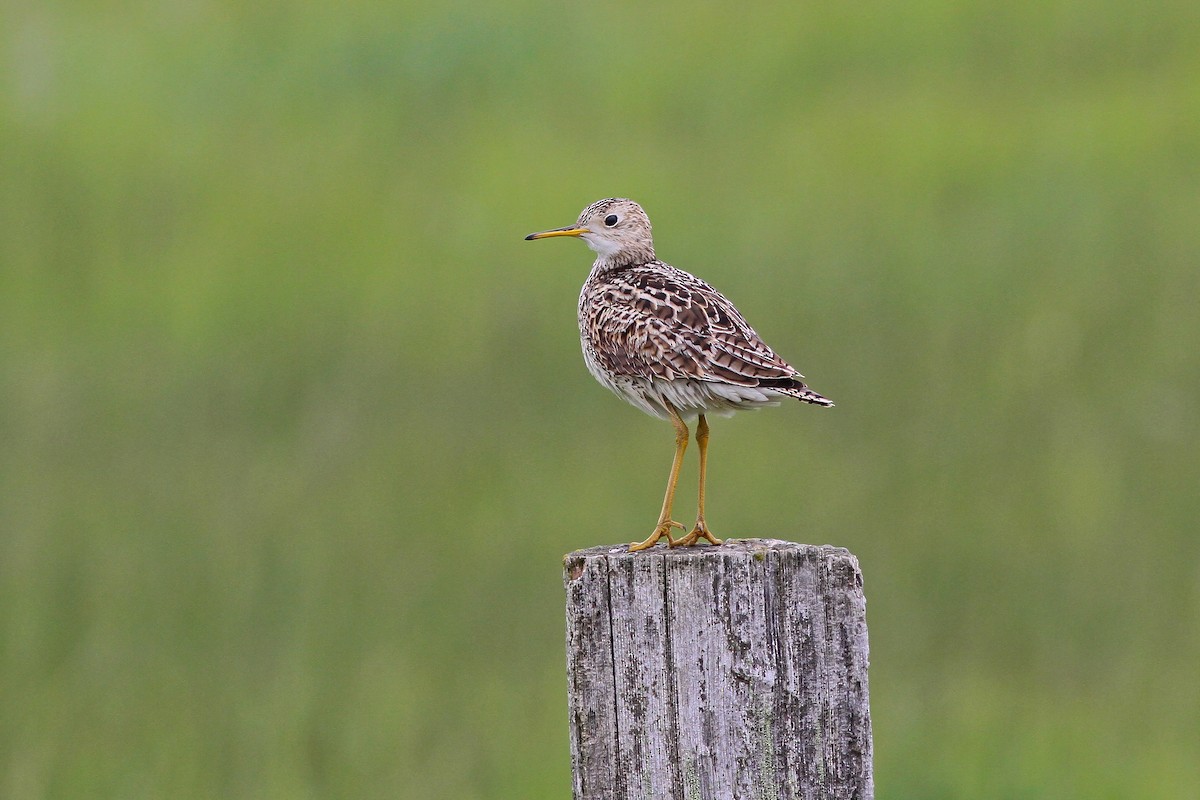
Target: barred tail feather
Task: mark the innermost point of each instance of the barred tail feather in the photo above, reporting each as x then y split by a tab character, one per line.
794	387
809	396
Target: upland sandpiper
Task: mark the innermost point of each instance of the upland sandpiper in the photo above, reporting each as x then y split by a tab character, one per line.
669	343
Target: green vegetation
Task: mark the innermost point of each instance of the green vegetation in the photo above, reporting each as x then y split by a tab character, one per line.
294	428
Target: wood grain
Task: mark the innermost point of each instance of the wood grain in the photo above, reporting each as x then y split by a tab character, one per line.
710	673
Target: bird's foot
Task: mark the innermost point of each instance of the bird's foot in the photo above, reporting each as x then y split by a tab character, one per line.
697	533
663	529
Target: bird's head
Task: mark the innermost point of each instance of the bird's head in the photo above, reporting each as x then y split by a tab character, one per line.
618	229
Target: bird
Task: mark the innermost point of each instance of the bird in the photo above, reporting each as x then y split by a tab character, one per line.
670	344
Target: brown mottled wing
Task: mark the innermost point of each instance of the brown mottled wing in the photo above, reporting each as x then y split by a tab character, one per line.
660	322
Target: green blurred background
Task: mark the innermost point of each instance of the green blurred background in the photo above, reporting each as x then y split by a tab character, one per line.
294	429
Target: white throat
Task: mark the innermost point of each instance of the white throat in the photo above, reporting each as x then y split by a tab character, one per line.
605	247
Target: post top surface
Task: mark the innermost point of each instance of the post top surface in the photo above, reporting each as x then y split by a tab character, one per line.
732	548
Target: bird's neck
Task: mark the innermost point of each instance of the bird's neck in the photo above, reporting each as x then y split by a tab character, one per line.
622	259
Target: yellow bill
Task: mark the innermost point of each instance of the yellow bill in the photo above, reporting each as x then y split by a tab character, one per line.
556	232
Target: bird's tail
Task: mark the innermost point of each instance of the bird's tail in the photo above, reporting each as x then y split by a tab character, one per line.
809	396
794	387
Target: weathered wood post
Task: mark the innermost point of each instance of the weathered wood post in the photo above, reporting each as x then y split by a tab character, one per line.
736	672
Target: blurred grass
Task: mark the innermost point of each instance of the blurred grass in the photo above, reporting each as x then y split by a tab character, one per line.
294	430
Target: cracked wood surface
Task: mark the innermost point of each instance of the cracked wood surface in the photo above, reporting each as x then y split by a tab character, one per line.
736	672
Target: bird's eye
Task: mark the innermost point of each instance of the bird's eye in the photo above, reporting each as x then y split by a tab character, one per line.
611	220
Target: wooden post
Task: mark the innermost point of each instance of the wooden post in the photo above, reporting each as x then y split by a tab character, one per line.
736	672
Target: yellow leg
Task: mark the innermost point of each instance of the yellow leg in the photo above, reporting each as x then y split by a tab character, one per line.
701	530
665	523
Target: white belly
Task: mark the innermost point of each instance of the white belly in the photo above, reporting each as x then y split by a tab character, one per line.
688	397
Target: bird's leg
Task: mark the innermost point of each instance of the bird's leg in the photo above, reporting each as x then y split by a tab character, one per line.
665	523
701	530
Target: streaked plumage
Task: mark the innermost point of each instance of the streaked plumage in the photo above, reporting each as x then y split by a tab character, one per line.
666	341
